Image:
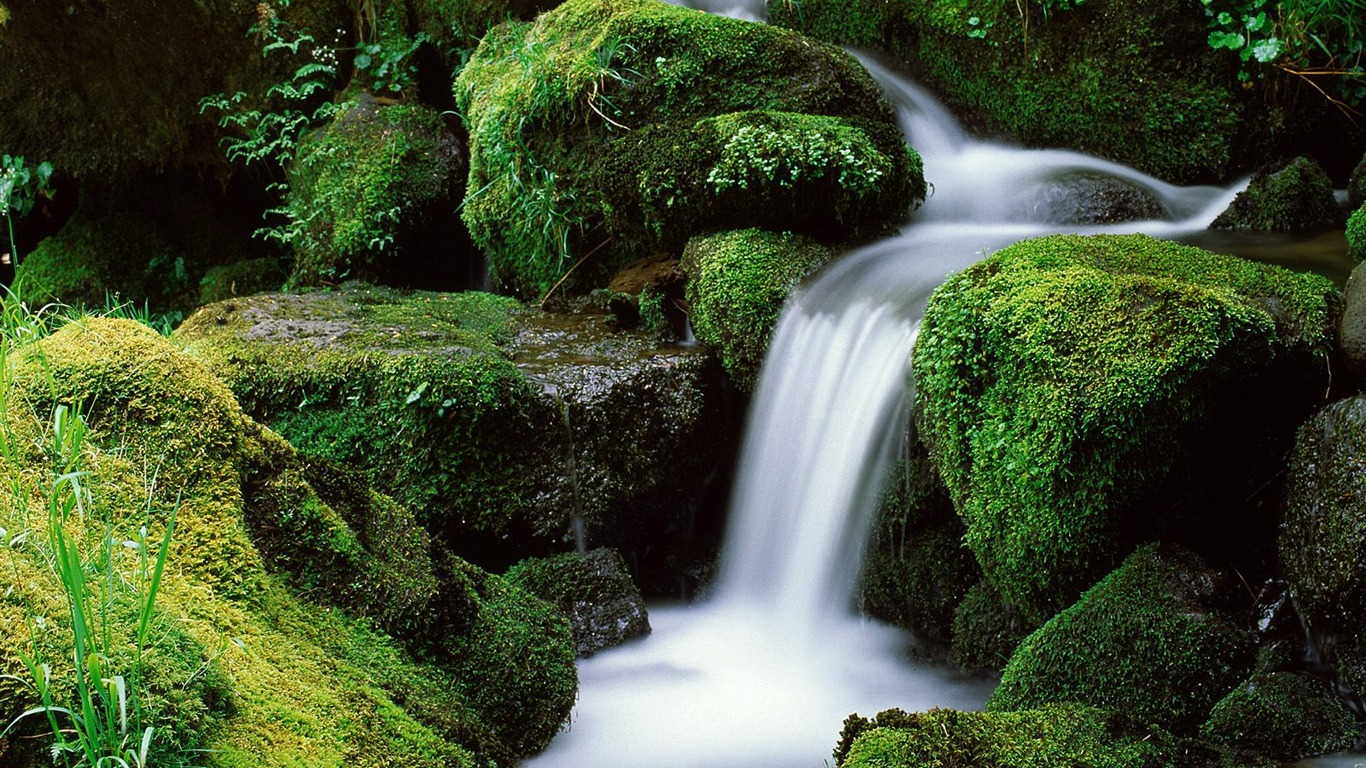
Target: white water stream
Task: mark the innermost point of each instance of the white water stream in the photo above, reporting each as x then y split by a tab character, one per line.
763	673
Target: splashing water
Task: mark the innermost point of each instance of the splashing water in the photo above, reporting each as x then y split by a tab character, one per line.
763	674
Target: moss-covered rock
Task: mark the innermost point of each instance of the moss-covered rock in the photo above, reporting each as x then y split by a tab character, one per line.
1148	641
649	293
372	196
1280	717
1322	539
1356	185
242	278
986	630
495	424
593	590
916	570
1291	197
1356	234
237	664
1074	389
604	131
1048	737
738	282
1154	98
456	26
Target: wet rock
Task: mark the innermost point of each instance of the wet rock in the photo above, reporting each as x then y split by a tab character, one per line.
1290	197
1282	717
593	590
1088	199
1148	640
497	424
649	293
1323	534
1356	185
1352	326
986	630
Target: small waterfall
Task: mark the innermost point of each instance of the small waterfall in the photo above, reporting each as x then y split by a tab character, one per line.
748	10
763	673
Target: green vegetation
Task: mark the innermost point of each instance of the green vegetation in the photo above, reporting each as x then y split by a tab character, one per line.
593	589
1051	736
1065	379
589	81
1144	641
1356	234
986	630
359	186
1280	717
21	185
737	284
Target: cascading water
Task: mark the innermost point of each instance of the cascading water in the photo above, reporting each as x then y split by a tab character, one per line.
764	672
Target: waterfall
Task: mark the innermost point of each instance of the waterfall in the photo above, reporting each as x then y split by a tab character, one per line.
764	672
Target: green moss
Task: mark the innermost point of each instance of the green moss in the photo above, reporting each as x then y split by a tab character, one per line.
737	284
986	630
1052	736
1067	381
242	278
1356	235
1280	717
544	101
362	186
1154	98
1295	196
1144	641
593	590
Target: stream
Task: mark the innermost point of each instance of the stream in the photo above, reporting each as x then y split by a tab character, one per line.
763	671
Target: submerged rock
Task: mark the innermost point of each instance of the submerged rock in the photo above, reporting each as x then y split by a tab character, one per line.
593	590
1291	197
1098	389
1147	641
1088	199
606	132
495	423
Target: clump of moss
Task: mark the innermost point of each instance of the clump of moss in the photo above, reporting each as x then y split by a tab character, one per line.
546	102
593	590
1279	717
1054	735
1295	196
738	282
362	190
1069	385
986	630
1356	235
242	278
1147	640
1157	100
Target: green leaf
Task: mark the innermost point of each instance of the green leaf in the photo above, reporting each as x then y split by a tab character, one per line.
1225	17
1267	50
416	394
362	61
1255	23
1230	40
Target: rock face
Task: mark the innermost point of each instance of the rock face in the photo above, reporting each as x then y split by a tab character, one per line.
496	424
593	590
1097	389
1293	197
1146	641
607	132
1323	534
326	588
370	198
1352	326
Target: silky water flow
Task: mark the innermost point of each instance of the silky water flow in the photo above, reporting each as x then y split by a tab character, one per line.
764	671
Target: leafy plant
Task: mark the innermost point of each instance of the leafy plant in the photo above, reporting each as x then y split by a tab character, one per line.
20	187
1310	39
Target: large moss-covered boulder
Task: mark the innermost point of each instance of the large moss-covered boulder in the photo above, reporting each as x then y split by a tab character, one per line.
1280	717
497	425
264	649
1289	197
1157	100
372	197
737	284
1084	394
1056	735
605	131
1322	537
987	630
593	590
1148	640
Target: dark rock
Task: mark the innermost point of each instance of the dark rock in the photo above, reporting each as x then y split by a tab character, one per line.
1289	197
1088	199
1352	325
650	293
593	590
